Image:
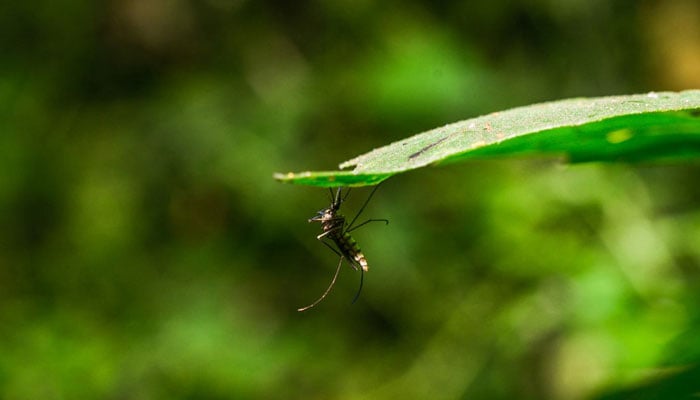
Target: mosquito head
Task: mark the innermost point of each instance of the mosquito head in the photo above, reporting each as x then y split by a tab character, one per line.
329	213
323	215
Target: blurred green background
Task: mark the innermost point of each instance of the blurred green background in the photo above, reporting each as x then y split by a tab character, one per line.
146	252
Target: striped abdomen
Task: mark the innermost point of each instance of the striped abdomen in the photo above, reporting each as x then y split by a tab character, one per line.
348	246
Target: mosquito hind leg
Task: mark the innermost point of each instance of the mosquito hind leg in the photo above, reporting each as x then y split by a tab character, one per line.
359	290
328	290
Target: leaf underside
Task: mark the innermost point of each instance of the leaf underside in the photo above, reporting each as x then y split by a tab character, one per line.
633	128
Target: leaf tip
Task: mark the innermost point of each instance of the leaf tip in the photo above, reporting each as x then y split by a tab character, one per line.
289	176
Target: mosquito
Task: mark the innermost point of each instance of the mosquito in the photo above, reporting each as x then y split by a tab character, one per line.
337	230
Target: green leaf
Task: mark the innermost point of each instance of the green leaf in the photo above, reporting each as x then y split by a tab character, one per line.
642	127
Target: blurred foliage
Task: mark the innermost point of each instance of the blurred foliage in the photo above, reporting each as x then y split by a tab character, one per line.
146	253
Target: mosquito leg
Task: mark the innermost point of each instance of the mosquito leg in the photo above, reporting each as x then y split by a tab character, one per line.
331	247
328	232
367	222
359	290
353	264
323	296
346	194
363	206
337	200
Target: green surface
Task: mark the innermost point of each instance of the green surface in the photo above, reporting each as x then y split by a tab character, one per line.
146	253
644	127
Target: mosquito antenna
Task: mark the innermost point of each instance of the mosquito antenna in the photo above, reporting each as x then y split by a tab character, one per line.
363	206
332	197
323	296
359	290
